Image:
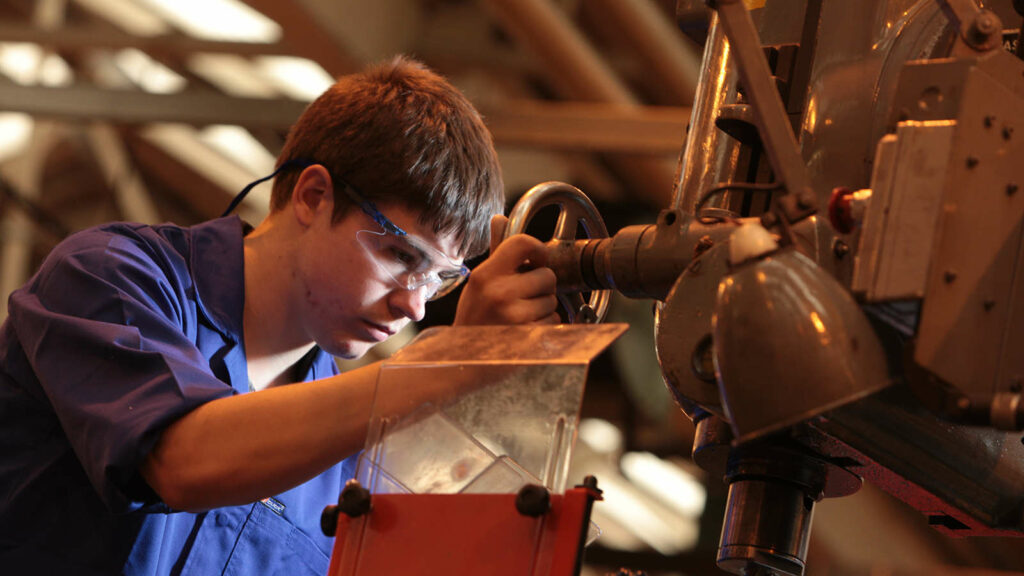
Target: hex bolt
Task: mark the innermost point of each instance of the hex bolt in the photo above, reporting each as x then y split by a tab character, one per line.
982	28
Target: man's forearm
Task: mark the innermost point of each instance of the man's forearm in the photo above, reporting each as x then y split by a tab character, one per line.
244	448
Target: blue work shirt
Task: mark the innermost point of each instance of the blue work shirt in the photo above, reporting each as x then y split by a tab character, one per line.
124	329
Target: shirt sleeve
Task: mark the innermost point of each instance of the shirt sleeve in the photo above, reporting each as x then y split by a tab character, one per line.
106	327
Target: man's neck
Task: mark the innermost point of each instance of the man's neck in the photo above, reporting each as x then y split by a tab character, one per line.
272	346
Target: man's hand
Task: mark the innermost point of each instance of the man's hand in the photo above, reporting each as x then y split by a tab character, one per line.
512	286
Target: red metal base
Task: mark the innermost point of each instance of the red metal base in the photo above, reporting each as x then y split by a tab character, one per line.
455	534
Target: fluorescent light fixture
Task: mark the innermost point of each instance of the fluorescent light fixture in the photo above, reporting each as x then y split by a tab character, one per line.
599	435
239	145
55	72
147	73
226	20
28	64
15	133
20	61
666	481
184	143
128	16
232	74
299	78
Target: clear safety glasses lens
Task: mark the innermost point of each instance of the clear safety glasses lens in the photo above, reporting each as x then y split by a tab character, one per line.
411	263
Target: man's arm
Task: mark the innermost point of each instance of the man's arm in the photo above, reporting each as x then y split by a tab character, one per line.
243	448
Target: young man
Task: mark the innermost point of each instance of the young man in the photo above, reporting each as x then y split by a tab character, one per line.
129	439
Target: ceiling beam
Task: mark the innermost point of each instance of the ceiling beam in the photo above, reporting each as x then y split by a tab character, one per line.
591	127
578	72
305	35
128	107
550	125
91	37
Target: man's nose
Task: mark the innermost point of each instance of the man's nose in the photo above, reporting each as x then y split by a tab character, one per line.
409	303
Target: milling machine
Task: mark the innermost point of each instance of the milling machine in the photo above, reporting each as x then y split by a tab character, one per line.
839	279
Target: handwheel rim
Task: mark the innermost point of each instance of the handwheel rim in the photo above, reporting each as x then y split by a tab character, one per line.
574	209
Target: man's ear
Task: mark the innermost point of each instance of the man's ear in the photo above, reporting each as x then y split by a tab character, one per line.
313	191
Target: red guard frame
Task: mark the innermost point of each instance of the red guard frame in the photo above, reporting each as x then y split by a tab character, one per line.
463	534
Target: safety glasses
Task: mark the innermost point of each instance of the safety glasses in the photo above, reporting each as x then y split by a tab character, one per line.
406	259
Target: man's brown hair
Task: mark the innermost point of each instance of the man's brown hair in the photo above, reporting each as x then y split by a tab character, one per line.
401	133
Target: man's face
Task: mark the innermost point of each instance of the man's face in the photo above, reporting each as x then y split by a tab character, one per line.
347	303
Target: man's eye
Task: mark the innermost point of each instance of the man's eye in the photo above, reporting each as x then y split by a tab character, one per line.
407	259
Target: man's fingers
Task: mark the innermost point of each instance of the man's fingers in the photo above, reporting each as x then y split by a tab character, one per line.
534	310
517	250
552	318
498	224
529	284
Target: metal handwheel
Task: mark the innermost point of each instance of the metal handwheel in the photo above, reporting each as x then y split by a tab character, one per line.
575	209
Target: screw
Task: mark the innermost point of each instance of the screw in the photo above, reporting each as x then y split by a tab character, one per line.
805	199
988	304
1011	189
1007	132
989	121
1017	384
963	403
703	245
949	276
972	161
840	248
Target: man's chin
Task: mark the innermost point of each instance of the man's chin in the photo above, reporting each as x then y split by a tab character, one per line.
349	350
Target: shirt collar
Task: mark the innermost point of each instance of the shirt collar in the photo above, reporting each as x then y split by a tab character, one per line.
218	271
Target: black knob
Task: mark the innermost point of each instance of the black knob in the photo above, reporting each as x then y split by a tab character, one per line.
329	521
533	500
354	500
